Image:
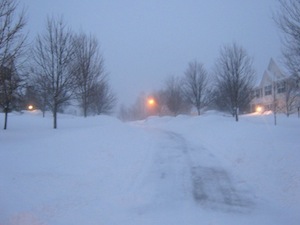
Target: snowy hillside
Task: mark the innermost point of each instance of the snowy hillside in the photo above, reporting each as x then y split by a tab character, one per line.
186	170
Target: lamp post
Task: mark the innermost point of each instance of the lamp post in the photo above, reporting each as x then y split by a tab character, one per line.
151	106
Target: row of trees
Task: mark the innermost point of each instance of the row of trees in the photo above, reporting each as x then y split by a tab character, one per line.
62	67
66	66
228	89
12	42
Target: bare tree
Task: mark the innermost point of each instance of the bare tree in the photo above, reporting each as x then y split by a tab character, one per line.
10	81
12	40
290	95
275	102
12	43
88	68
160	106
195	85
102	99
235	79
123	113
174	97
287	19
136	111
53	54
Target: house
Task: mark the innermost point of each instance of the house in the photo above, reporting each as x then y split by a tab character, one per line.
276	91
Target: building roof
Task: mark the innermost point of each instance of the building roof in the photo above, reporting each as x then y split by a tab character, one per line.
271	74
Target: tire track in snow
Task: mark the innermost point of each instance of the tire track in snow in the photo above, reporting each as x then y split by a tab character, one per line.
210	184
175	171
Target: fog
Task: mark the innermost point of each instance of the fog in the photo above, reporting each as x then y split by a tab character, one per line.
144	42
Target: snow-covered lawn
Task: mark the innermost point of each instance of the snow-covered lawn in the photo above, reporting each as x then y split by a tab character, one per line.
184	170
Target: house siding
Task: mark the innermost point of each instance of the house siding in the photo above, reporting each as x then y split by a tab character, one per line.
272	90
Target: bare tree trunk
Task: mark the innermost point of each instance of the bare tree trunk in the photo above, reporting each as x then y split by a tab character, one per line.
274	103
198	110
85	112
55	108
195	85
275	117
85	106
5	119
236	115
55	117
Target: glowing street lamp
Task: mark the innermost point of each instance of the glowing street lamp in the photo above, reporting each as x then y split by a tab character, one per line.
151	102
151	106
30	107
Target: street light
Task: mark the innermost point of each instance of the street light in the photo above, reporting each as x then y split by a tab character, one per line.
151	106
30	107
151	102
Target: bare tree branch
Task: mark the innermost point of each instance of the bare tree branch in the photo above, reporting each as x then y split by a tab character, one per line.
174	97
287	19
92	90
235	79
53	55
195	85
12	43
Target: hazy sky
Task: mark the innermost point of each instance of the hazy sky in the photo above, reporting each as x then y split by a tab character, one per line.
146	41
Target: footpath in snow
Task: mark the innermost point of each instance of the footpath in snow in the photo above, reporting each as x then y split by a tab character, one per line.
195	171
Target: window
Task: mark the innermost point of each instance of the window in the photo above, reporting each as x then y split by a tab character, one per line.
268	90
258	93
281	87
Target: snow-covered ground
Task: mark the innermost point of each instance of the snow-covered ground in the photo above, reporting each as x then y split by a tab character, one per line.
186	170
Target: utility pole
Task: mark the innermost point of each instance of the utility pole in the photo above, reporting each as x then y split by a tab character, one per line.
274	103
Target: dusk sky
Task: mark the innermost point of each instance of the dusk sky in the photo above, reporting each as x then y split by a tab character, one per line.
144	42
